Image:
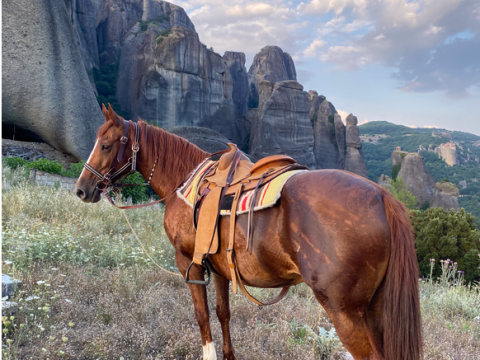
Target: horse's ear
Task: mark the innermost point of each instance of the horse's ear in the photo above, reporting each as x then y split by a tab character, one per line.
113	116
105	112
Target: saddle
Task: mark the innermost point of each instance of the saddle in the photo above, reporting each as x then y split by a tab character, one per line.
231	176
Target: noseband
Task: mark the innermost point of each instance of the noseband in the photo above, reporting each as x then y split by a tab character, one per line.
108	179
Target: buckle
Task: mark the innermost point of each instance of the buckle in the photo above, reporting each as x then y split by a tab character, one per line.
107	177
123	140
101	185
135	147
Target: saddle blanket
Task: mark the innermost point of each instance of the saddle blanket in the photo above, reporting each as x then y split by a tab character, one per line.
267	195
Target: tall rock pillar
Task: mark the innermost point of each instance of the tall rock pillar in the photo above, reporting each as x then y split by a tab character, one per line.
354	156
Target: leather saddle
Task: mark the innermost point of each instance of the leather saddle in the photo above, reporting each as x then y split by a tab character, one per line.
232	175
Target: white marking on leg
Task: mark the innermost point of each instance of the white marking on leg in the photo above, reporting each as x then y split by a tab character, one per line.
88	161
209	352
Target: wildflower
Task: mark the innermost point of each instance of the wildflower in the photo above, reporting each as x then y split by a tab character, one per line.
64	339
9	341
8	262
44	350
22	326
69	301
40	282
60	352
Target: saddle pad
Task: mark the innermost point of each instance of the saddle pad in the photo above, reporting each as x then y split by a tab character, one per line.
267	195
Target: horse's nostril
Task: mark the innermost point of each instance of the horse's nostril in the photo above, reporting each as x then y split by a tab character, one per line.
80	194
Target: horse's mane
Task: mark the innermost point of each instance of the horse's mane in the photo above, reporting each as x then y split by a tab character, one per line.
176	155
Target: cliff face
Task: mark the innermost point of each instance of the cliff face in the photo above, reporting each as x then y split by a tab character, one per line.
354	157
448	152
271	64
416	178
281	125
445	195
236	64
45	88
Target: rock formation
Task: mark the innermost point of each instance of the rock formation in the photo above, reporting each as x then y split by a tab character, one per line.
45	89
281	124
463	184
448	152
354	157
445	195
236	64
384	181
416	177
206	139
398	155
271	64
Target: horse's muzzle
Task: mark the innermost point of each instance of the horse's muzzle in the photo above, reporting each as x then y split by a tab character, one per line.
88	194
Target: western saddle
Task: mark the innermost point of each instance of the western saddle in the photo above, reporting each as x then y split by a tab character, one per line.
232	175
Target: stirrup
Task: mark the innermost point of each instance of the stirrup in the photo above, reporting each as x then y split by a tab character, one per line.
198	282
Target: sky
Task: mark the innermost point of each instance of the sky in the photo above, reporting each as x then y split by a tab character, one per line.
414	63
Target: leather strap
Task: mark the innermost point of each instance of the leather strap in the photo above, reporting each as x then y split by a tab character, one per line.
250	215
279	297
230	249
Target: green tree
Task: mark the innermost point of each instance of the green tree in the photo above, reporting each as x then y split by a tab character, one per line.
442	235
400	192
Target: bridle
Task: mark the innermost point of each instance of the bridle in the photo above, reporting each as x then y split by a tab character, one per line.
107	180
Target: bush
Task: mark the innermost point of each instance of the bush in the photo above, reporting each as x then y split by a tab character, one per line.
399	190
103	88
395	171
442	234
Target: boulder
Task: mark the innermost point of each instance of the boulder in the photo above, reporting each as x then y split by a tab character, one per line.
46	92
236	64
271	64
445	195
463	184
281	124
416	177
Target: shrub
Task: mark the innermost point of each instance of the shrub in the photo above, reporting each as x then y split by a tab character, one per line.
103	88
159	39
399	190
402	155
442	234
395	171
425	205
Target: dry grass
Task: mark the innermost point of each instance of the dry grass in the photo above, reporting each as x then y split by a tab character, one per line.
90	293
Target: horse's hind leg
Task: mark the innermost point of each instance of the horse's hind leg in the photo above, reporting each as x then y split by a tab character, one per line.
351	326
223	314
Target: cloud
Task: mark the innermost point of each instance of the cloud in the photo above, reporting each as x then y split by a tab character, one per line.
241	25
364	122
431	45
430	126
343	114
312	49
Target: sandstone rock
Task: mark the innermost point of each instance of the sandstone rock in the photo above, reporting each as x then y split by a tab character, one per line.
463	184
206	139
45	88
384	180
177	81
325	147
445	195
398	155
281	124
422	148
416	177
354	161
236	64
340	132
448	152
271	64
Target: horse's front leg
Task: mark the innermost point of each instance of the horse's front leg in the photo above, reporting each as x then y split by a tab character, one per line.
223	314
199	295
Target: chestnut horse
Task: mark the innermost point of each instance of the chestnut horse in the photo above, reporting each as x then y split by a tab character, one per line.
346	237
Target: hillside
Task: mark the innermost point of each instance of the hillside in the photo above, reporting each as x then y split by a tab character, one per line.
380	138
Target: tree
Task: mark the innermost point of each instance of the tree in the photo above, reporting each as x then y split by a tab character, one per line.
442	235
399	190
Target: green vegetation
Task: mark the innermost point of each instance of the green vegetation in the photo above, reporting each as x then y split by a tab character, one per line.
378	158
106	82
90	292
452	235
135	193
157	21
395	171
162	36
398	189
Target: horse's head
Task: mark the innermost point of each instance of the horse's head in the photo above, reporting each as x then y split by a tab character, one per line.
109	159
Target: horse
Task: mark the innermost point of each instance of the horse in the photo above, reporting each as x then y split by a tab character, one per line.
344	236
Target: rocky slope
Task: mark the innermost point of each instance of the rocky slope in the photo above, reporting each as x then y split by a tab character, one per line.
445	195
45	88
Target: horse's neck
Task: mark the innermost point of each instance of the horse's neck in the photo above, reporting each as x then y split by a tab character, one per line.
163	182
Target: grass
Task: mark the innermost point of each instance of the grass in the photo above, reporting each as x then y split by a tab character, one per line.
89	292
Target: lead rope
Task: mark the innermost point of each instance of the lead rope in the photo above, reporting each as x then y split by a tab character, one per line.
145	250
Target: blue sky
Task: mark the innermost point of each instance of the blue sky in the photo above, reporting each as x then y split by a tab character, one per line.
411	62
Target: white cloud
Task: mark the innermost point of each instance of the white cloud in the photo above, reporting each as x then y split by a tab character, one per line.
411	126
343	114
364	122
347	58
312	49
430	126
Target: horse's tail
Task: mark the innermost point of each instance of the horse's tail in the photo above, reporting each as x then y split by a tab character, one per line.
402	332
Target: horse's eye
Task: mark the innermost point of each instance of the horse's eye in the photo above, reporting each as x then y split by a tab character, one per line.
105	147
